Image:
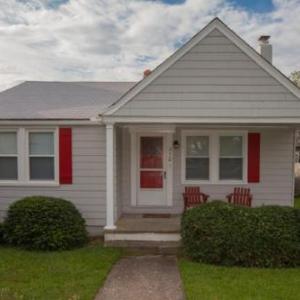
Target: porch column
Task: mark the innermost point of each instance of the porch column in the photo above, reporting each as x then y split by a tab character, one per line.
110	179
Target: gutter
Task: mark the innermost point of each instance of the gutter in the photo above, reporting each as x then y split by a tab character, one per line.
53	122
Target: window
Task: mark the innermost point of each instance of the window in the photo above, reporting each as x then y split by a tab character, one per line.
8	156
197	158
231	158
28	156
213	156
41	155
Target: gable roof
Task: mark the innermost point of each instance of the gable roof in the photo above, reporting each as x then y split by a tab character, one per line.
215	24
59	100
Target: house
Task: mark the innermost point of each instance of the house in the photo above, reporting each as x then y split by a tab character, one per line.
216	114
297	164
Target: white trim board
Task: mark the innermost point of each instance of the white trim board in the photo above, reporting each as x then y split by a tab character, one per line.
48	122
205	120
232	36
152	128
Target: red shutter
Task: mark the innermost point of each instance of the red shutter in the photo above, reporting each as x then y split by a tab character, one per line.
65	156
253	157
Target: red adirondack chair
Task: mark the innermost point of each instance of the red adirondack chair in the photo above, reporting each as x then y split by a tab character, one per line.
192	197
240	196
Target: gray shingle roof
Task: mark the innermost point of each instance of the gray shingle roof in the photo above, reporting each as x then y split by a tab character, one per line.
59	100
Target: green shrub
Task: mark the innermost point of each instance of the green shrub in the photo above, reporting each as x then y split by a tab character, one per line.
45	223
1	233
220	233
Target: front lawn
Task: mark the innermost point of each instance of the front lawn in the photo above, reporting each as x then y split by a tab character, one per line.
207	282
69	275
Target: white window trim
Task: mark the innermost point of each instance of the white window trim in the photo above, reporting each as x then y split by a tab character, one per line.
23	158
214	155
55	155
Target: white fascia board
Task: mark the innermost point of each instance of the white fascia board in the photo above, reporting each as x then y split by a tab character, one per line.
195	120
239	42
49	122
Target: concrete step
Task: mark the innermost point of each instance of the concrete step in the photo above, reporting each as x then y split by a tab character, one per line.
142	236
145	248
135	224
155	242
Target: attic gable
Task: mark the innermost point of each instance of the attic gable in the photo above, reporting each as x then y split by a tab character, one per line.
215	77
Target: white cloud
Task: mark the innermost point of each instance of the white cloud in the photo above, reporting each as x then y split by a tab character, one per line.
117	39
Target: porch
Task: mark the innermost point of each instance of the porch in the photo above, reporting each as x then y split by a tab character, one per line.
145	230
147	170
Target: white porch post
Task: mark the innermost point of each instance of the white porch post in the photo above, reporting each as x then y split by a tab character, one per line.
110	157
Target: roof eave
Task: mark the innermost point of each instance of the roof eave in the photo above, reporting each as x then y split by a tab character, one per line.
202	120
50	122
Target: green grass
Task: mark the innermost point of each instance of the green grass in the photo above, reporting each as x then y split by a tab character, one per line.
69	275
207	282
297	201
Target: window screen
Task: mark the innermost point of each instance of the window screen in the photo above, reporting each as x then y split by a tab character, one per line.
231	158
41	155
197	158
8	156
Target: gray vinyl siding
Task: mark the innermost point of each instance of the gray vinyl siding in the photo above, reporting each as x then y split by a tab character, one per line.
88	191
214	79
276	173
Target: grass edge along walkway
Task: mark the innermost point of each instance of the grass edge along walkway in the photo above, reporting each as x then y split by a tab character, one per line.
209	282
68	275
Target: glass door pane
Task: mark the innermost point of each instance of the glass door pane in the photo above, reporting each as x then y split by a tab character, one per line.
151	162
151	152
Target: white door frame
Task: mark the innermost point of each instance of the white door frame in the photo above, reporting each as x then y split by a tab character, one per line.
136	132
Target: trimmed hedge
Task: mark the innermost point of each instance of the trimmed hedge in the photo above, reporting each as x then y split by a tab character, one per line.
45	223
220	233
1	233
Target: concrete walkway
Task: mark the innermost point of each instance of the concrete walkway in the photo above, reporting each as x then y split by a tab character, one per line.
143	277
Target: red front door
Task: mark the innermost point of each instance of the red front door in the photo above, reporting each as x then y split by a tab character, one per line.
151	171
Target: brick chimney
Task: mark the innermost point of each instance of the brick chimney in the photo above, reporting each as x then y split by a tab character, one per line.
147	72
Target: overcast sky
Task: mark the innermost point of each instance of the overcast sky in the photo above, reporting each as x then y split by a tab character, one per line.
101	40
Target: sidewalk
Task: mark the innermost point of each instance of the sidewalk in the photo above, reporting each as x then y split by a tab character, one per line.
143	277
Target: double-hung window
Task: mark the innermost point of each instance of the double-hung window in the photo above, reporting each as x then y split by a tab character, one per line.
213	156
8	155
41	156
231	157
197	158
28	156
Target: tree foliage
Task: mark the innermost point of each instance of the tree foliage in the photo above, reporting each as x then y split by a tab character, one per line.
295	77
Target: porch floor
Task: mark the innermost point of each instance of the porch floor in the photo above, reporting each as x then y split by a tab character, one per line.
147	224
